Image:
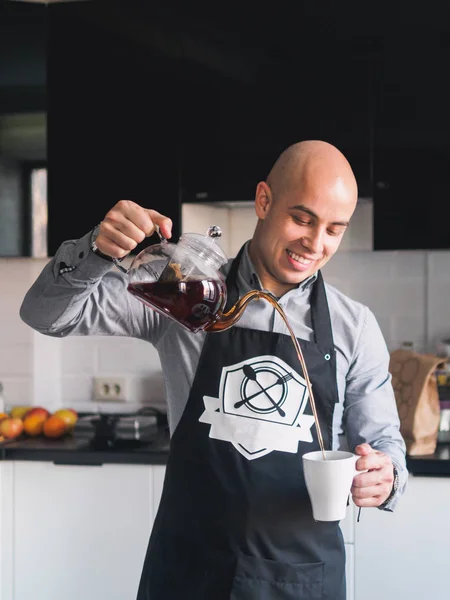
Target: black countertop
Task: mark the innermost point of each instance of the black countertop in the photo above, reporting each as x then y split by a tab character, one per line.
434	465
74	450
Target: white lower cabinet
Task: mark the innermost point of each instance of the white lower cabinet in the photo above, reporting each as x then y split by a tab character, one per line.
6	531
74	532
350	570
158	473
348	532
406	554
81	533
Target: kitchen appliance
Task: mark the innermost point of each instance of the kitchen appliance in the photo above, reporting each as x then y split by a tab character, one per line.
122	431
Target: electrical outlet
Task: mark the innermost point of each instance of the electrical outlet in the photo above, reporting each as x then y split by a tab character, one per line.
108	389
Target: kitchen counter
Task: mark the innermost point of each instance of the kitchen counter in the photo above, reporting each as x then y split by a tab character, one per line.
73	450
433	465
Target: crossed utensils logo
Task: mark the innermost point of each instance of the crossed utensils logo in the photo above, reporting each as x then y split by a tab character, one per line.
260	408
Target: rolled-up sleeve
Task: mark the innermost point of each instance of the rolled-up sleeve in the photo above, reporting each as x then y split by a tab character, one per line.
370	411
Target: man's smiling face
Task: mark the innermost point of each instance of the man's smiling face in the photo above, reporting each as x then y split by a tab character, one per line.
299	229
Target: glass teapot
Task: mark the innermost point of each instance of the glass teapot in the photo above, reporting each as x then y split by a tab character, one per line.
183	281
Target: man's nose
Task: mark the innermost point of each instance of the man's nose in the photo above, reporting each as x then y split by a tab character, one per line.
313	242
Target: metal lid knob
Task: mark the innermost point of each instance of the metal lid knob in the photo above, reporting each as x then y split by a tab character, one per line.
214	231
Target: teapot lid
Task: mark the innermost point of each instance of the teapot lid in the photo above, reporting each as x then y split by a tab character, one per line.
205	245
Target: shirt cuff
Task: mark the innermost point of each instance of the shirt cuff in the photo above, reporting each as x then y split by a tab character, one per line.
76	256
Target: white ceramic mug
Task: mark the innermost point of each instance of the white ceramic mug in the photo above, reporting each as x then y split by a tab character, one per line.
329	482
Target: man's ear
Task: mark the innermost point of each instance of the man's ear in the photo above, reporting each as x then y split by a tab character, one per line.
263	199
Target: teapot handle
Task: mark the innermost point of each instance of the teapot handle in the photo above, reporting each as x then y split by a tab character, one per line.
117	262
162	239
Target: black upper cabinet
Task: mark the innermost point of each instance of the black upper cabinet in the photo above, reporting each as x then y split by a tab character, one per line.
411	159
112	125
237	127
161	105
412	199
23	31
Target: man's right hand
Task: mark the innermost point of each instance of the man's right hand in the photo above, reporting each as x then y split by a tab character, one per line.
126	225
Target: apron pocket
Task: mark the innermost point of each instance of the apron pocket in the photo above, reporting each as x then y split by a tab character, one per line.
264	579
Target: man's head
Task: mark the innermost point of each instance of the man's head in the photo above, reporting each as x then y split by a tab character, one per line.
303	210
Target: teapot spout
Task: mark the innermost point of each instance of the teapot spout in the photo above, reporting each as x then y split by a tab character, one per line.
226	320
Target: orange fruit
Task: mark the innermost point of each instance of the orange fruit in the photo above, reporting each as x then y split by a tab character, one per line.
3	416
54	427
33	424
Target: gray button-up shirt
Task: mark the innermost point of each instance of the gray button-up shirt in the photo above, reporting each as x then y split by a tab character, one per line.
79	293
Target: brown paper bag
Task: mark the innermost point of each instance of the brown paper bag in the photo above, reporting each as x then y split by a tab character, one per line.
417	399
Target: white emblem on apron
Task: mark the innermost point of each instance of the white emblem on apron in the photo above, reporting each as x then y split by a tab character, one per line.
260	408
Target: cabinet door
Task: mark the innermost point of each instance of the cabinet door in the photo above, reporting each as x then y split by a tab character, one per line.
350	570
6	531
238	126
112	126
347	525
411	159
411	199
80	532
405	554
159	472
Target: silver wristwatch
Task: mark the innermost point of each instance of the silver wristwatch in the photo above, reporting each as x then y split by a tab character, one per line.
394	487
94	248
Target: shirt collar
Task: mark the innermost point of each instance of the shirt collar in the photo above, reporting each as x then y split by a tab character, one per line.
250	276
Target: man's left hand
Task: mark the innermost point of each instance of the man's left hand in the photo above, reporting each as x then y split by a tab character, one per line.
374	486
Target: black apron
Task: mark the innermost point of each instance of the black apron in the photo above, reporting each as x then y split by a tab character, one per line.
235	520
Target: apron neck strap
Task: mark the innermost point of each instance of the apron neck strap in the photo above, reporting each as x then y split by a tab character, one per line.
320	314
231	281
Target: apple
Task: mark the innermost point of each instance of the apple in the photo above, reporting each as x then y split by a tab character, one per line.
11	428
18	412
38	410
69	416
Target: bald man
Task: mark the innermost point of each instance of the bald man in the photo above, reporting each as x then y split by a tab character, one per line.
235	520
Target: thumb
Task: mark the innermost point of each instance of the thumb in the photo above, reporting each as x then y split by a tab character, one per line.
163	222
364	449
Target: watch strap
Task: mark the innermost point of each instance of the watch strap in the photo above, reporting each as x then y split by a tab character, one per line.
95	250
395	486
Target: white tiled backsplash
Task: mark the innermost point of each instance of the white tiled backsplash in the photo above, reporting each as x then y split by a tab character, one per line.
409	293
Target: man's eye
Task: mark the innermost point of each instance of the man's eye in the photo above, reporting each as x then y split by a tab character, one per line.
334	231
301	221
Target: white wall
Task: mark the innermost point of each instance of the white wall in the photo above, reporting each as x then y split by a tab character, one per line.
408	291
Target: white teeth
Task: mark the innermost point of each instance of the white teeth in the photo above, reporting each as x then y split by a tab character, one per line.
300	259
